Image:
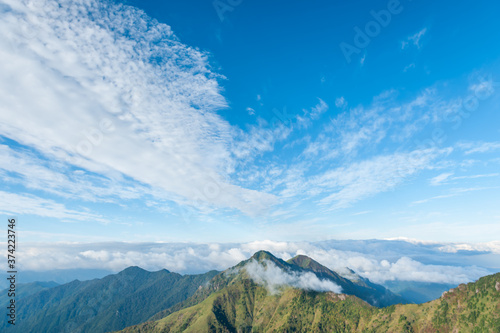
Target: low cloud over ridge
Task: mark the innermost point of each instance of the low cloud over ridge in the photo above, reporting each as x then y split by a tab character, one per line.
273	277
377	260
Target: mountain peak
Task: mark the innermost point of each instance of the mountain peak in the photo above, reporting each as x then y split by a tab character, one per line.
133	270
263	255
308	263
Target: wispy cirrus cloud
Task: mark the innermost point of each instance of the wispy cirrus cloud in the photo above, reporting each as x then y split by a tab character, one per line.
345	185
439	179
12	204
22	166
360	180
414	39
314	113
446	178
94	88
340	102
119	109
453	193
478	147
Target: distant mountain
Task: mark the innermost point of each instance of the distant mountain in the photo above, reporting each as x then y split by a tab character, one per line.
235	302
261	294
418	292
472	307
60	276
25	289
236	281
103	305
372	293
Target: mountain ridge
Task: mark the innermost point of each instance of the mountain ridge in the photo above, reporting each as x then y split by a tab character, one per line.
242	305
261	294
102	305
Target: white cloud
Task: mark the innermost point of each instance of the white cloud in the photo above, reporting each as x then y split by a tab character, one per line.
24	167
361	130
407	269
478	147
414	39
99	101
438	180
378	260
445	178
15	204
408	67
274	278
358	127
100	104
257	140
453	193
493	247
340	102
477	176
483	89
305	121
366	178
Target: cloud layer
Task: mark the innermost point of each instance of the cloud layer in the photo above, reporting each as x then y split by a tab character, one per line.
378	260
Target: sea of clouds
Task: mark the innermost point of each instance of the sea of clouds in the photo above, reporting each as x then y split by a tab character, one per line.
377	260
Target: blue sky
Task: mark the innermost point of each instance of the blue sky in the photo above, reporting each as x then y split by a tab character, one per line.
240	121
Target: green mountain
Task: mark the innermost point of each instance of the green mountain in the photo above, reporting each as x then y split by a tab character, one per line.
24	290
418	292
472	307
370	292
233	302
59	276
103	305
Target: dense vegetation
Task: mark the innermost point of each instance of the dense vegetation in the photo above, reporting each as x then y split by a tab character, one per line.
247	307
136	300
24	290
103	305
372	293
237	304
473	307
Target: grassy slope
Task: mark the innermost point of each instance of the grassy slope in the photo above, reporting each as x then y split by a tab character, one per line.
242	306
246	307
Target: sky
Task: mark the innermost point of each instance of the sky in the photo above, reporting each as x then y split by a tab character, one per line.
239	121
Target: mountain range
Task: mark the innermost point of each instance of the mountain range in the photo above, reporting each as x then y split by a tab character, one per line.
237	301
103	305
261	294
